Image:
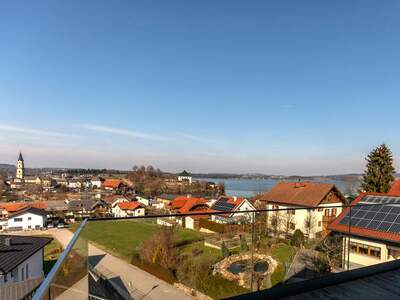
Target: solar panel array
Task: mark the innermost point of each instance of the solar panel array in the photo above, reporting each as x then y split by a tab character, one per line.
223	205
377	213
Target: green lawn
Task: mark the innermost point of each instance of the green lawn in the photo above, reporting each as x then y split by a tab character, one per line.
124	237
283	253
198	251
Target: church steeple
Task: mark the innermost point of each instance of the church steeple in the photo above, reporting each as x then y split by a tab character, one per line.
20	167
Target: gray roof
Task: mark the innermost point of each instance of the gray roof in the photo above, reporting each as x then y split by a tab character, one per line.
20	249
32	210
90	204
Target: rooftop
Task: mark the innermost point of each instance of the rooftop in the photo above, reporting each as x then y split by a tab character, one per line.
309	194
19	249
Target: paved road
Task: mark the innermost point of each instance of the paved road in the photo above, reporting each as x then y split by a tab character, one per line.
140	284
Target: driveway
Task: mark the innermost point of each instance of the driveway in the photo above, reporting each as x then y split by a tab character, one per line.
139	284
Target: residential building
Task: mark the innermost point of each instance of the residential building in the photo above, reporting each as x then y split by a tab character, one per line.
96	182
236	210
29	218
374	230
113	184
21	264
111	200
128	209
325	198
144	201
185	177
87	207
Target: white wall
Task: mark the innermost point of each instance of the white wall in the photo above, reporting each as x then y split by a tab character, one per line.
301	215
35	269
27	224
120	213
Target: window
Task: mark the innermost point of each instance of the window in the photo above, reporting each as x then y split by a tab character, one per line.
23	274
334	211
319	223
292	226
27	271
29	218
293	212
365	249
320	209
17	219
326	212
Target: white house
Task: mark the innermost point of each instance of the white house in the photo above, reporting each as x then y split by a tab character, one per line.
21	261
96	182
128	209
185	177
74	184
323	200
143	200
29	218
236	210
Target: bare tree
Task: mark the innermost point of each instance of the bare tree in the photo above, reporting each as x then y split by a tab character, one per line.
276	222
287	221
331	246
310	222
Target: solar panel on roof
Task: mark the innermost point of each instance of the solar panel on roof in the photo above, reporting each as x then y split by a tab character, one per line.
390	218
373	225
384	226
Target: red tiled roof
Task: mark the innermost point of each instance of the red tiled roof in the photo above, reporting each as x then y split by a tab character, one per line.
132	205
360	231
395	189
112	183
16	206
191	203
178	202
308	194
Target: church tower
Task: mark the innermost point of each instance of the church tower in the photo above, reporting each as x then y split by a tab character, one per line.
20	167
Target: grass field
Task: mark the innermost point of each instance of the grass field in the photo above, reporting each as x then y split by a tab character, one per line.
124	237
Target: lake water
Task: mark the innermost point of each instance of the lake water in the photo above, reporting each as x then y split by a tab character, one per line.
250	187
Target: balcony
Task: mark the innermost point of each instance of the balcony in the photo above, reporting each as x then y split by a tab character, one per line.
254	257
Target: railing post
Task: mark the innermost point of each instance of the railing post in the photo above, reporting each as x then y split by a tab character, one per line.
348	242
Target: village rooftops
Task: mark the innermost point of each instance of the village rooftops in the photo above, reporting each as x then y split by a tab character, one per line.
14	250
12	207
227	204
303	194
132	205
32	210
113	183
380	221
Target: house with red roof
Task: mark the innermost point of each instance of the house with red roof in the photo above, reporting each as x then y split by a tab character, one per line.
113	184
370	230
128	209
324	201
236	210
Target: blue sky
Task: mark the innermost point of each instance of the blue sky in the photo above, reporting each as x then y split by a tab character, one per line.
282	87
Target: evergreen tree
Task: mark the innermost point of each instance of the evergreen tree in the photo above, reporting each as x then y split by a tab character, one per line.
379	173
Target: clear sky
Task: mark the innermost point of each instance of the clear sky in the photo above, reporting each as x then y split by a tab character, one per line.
279	87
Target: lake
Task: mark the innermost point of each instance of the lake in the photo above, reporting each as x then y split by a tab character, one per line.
250	187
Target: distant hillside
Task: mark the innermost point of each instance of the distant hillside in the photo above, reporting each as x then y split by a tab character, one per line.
7	168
